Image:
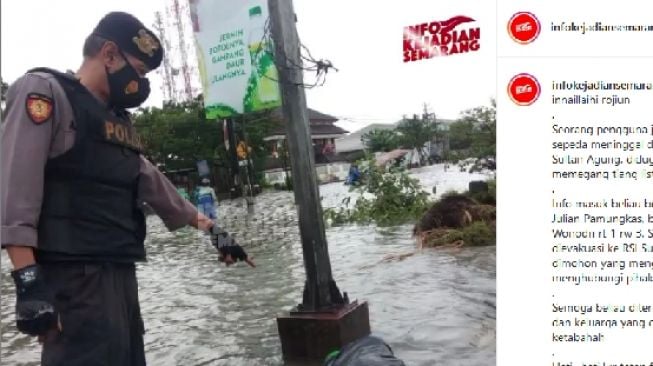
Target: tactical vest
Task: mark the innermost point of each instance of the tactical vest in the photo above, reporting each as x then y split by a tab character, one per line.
90	210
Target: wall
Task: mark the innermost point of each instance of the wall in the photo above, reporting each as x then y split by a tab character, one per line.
325	173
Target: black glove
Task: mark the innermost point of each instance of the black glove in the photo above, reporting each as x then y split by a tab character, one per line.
226	245
35	313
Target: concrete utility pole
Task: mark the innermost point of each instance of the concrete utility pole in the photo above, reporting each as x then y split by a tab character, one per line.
325	320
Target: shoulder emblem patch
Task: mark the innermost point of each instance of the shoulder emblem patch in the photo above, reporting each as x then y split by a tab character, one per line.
39	107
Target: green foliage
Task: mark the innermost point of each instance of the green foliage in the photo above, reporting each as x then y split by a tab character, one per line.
396	198
489	197
416	131
255	127
178	135
461	135
263	183
474	134
289	184
486	198
478	233
381	140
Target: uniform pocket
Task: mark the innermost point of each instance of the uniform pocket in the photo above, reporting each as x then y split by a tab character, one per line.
83	314
80	301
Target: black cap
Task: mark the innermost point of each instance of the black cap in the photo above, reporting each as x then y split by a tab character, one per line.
132	37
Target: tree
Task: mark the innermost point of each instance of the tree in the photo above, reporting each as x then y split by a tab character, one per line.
415	132
380	140
460	135
178	135
475	132
387	198
255	128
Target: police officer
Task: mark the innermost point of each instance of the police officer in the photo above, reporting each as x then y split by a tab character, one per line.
72	183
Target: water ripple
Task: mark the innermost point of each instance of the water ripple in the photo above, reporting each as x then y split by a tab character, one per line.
434	307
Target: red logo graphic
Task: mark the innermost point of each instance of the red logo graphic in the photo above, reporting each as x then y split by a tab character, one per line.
524	27
440	38
524	89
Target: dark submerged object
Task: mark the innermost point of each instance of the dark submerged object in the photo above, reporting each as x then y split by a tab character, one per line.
367	351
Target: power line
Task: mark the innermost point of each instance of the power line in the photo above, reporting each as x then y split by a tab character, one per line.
320	67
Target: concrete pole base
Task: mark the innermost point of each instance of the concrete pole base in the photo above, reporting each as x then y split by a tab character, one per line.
308	337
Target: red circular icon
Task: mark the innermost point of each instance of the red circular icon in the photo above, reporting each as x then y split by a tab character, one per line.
524	89
524	27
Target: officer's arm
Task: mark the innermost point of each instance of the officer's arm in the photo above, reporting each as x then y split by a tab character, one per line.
25	139
158	192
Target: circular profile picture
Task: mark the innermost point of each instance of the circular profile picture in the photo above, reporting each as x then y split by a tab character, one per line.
524	89
524	27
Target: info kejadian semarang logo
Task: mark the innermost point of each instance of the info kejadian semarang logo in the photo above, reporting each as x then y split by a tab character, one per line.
440	38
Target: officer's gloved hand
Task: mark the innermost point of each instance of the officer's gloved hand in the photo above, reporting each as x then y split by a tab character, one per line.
230	251
35	312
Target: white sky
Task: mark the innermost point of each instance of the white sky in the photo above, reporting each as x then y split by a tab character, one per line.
363	39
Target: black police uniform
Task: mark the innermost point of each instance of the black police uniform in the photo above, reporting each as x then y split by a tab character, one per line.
91	230
90	227
91	191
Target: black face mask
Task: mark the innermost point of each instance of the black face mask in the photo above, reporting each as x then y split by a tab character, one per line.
126	88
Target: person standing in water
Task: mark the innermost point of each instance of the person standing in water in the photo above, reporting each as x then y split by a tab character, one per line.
206	199
73	184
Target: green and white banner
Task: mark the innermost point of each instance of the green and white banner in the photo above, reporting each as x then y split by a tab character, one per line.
236	68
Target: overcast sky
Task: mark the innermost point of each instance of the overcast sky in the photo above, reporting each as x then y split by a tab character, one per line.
363	39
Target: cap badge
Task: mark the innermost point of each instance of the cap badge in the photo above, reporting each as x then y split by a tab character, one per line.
146	43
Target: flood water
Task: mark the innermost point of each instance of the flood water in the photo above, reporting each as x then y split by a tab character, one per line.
436	307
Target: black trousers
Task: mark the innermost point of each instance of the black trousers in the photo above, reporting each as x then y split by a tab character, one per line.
100	315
